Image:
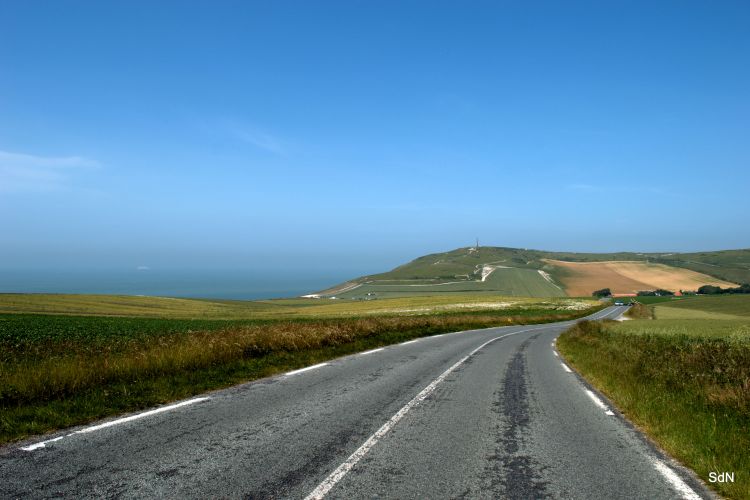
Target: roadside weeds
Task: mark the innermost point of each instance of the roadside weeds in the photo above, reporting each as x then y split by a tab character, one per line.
691	394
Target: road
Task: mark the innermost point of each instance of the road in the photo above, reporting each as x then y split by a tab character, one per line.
488	413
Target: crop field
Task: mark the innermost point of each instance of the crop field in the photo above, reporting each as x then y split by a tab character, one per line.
59	370
659	300
684	378
729	265
514	282
268	310
709	307
582	278
126	305
666	277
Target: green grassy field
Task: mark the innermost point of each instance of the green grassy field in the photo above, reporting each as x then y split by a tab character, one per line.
735	306
653	300
119	354
684	378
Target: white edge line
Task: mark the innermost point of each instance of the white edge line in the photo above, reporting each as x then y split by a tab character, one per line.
671	476
371	351
116	422
675	480
599	402
556	355
41	445
565	367
139	415
409	341
341	471
307	368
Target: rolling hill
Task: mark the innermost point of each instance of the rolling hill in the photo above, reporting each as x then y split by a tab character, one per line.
525	272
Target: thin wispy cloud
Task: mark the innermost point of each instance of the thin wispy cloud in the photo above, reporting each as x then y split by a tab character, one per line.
25	172
259	139
583	187
617	188
240	130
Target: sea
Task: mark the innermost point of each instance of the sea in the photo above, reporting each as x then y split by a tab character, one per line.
211	284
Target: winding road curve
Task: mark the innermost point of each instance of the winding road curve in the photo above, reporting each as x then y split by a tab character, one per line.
488	413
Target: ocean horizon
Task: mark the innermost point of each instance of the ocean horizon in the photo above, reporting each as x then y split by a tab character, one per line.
205	284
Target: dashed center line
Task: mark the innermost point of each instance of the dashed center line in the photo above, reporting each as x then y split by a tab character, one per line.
308	368
323	488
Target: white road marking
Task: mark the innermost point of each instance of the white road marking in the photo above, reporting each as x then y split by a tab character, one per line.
115	422
565	367
40	445
328	483
599	402
410	342
295	372
675	480
372	351
556	355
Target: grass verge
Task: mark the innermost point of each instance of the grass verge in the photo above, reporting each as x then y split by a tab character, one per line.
686	387
639	311
59	371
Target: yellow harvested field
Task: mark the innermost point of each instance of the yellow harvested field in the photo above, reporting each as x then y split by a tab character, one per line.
622	277
667	277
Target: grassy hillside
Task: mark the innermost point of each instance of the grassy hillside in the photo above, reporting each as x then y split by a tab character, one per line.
516	282
516	272
684	378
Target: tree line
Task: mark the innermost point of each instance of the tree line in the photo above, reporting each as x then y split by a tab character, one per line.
717	290
704	290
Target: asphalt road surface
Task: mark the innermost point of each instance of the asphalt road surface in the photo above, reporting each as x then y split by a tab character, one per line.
488	413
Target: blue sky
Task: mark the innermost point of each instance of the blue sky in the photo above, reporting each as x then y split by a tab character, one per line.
358	135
